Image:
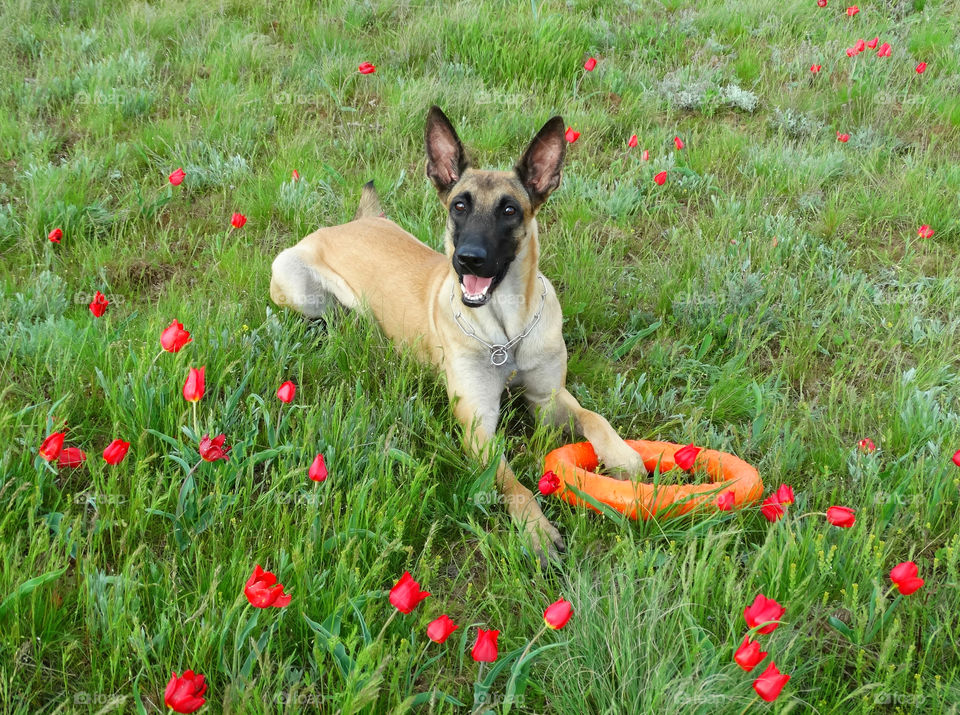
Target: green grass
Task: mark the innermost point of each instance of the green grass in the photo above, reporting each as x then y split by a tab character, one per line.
788	307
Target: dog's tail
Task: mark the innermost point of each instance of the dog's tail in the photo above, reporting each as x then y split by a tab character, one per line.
369	203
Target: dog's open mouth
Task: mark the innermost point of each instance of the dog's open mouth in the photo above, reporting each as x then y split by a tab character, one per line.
476	289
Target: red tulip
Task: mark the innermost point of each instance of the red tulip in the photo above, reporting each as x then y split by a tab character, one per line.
678	142
771	508
367	68
816	68
860	45
193	387
590	64
822	3
52	446
440	629
884	50
237	220
841	516
925	231
406	594
866	445
873	43
686	456
921	68
770	683
646	155
115	451
71	458
485	649
212	449
726	501
185	694
571	136
843	137
660	179
632	141
174	337
56	234
318	470
852	10
176	178
762	610
261	591
749	655
956	457
549	483
851	52
295	175
557	614
785	494
904	577
98	306
286	392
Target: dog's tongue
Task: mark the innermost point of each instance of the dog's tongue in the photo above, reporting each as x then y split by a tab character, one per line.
476	284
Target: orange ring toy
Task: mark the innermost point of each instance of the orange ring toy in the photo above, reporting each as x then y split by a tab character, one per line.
574	465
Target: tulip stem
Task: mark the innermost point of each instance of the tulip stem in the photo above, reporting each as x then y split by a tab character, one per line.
384	629
193	469
154	361
196	425
750	704
519	666
811	513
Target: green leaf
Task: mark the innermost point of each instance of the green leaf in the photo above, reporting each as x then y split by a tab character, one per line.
628	344
842	628
28	587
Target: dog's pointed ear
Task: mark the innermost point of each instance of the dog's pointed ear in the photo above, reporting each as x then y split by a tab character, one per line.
446	159
541	165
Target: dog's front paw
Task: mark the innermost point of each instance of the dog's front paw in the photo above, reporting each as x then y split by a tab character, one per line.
627	467
545	539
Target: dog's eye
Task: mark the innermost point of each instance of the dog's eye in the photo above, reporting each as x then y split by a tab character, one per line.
460	206
509	210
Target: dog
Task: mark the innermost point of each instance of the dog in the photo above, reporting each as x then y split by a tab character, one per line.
483	314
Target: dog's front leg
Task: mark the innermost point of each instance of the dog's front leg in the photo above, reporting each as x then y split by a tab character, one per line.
478	410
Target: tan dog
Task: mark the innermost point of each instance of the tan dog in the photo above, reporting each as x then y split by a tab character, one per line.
483	314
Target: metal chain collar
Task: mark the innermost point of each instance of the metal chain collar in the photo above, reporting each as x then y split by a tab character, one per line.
498	352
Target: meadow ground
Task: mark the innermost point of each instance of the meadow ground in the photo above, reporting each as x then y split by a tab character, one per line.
772	299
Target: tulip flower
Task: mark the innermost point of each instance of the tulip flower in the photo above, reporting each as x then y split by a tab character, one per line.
841	516
685	457
860	46
590	64
194	386
921	68
632	142
367	68
843	137
213	449
851	52
925	231
660	179
52	446
646	155
263	591
570	135
762	610
884	50
557	614
440	629
71	458
785	494
904	577
98	306
772	509
866	445
406	594
852	10
485	649
56	234
548	484
873	43
184	694
115	451
176	178
286	392
770	683
726	501
749	655
174	337
956	457
318	470
678	142
816	68
295	175
237	220
822	3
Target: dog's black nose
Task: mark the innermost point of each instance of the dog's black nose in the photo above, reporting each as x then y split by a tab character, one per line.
471	258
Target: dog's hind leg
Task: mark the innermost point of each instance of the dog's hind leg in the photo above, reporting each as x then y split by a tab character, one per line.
307	288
